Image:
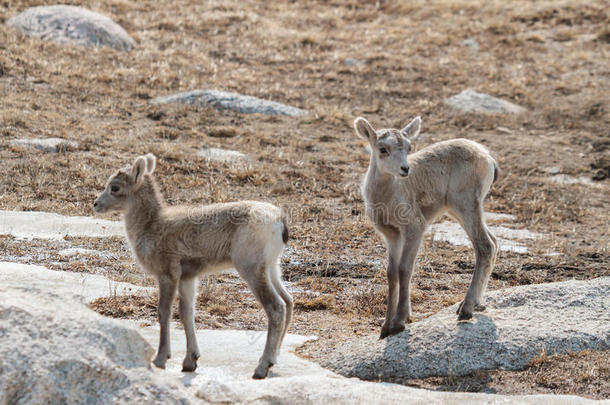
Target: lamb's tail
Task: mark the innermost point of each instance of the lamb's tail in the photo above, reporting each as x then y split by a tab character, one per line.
285	234
496	171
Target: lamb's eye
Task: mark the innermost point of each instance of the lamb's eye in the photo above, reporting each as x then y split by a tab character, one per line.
114	188
383	151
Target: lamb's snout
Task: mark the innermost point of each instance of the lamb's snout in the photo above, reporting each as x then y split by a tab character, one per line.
96	206
404	171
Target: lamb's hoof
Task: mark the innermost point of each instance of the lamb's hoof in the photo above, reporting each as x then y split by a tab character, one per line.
190	363
479	308
464	314
189	367
397	329
261	372
391	330
160	361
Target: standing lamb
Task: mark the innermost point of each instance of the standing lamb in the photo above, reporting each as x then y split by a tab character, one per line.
403	197
176	244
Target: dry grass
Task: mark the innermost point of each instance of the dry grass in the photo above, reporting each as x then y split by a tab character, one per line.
318	303
388	61
586	373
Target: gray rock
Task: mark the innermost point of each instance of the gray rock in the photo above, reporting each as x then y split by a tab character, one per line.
223	100
46	144
565	179
70	24
471	101
553	170
519	324
353	62
55	350
222	155
472	44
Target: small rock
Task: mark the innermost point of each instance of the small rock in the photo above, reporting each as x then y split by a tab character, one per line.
216	392
471	43
470	101
70	24
504	130
353	62
222	155
223	100
47	144
565	179
70	252
553	170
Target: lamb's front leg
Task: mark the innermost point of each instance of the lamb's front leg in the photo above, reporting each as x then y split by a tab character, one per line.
167	292
406	268
188	292
394	251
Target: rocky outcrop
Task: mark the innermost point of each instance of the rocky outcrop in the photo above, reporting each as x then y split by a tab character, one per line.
223	100
222	155
70	24
46	144
470	101
55	350
519	324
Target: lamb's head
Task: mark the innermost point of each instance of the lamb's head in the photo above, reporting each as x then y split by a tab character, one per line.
389	147
123	183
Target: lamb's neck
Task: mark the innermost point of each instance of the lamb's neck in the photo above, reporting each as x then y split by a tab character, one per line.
378	186
144	209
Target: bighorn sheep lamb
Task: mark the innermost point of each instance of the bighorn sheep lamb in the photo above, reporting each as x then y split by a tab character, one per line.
176	244
403	196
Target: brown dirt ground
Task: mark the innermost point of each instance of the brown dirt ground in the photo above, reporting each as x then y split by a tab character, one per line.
549	56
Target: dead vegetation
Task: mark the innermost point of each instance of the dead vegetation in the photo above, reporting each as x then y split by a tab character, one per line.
389	61
585	373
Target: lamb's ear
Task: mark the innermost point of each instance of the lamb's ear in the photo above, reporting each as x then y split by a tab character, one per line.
138	170
151	162
364	129
411	131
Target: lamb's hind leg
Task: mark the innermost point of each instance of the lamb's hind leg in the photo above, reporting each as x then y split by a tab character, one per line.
275	308
485	251
188	291
276	279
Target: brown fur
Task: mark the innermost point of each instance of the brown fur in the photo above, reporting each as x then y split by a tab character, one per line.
176	244
403	196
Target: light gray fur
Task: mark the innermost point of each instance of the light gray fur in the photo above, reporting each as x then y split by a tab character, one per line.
177	244
404	195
